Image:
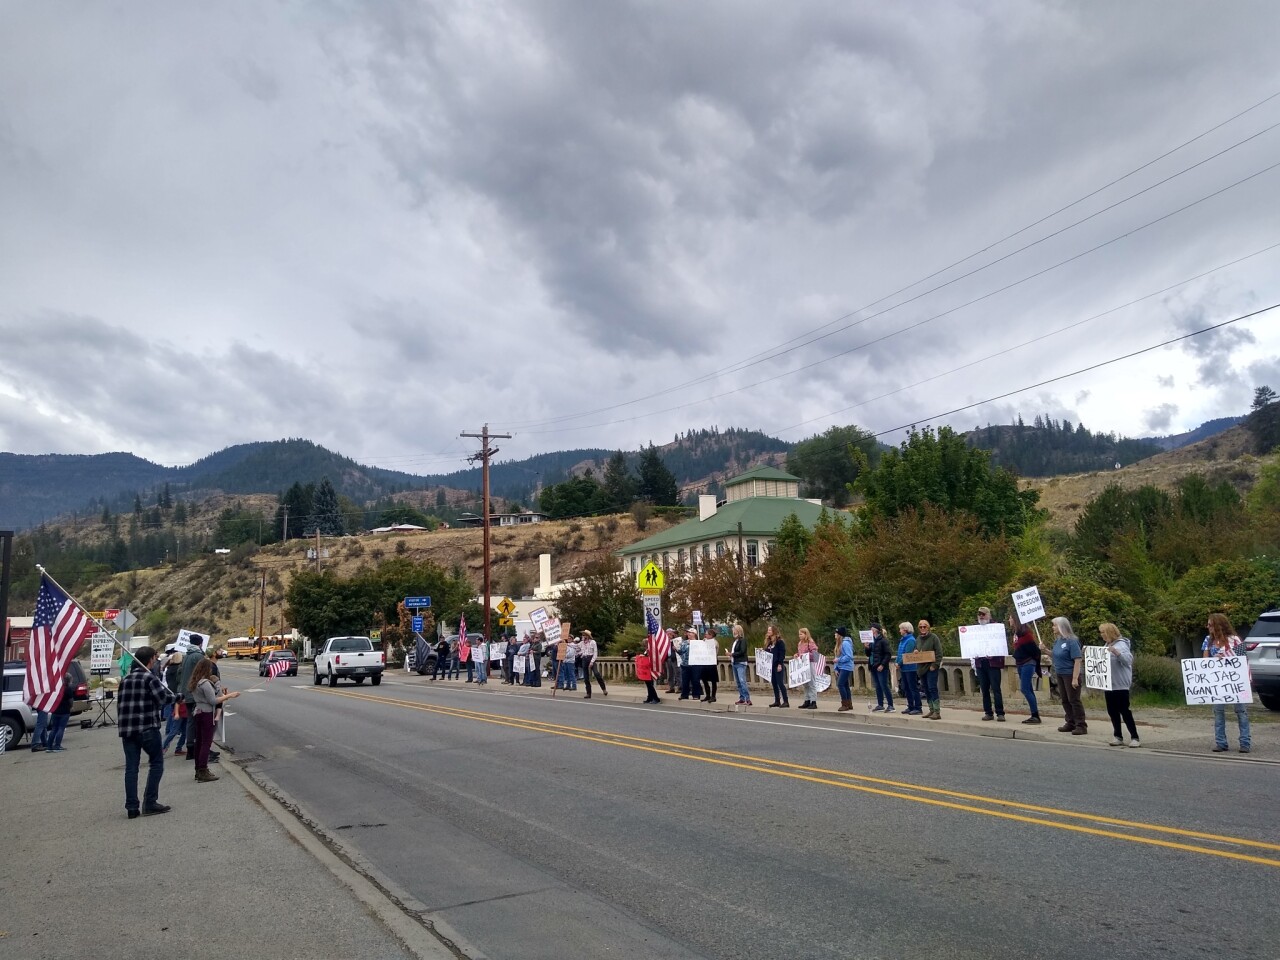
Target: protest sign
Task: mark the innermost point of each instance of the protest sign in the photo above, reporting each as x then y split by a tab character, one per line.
702	653
1097	668
100	653
1028	604
764	666
799	671
822	681
191	638
983	640
867	637
550	629
520	665
1216	680
919	656
538	617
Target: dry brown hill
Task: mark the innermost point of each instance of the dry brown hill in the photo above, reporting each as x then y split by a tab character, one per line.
1225	456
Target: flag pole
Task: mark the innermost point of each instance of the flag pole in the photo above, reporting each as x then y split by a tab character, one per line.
102	627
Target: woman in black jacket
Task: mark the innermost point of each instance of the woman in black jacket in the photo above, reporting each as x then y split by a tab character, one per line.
778	648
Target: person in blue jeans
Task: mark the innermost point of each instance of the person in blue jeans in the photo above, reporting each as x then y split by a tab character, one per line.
738	656
1026	657
1223	642
879	656
58	718
910	682
844	668
142	696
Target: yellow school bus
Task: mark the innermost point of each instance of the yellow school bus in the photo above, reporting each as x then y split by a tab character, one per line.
255	648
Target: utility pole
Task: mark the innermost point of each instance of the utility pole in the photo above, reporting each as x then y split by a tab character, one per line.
286	523
317	549
485	454
262	608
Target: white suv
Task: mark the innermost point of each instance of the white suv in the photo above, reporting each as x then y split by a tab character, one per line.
16	718
1262	647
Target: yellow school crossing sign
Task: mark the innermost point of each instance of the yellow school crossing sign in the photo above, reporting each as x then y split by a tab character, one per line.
650	578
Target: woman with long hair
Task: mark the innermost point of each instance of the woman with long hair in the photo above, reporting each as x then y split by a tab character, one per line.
207	698
777	648
807	647
1223	642
1121	654
710	674
738	657
1068	664
1026	658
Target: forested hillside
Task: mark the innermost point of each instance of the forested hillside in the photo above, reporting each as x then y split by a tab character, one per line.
1049	447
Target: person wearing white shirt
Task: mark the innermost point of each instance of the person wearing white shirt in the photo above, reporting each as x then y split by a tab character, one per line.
587	652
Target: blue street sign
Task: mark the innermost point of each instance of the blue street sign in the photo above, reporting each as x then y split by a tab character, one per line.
417	624
417	603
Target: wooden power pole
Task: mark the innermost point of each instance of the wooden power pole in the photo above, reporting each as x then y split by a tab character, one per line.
485	454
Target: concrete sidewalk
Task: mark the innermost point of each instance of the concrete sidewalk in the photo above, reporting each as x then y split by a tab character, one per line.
1185	730
217	876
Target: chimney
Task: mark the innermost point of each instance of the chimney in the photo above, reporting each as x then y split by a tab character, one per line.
706	506
544	573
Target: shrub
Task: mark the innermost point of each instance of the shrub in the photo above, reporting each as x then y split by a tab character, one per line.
401	547
1159	675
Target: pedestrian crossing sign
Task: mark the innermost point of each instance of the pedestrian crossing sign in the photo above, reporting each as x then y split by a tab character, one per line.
651	577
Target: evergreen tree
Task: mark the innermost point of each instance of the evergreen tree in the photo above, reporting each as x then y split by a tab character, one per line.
1262	397
137	504
180	513
328	512
657	483
829	463
296	511
619	486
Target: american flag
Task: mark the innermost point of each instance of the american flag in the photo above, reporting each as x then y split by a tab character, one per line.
659	645
820	665
275	668
57	631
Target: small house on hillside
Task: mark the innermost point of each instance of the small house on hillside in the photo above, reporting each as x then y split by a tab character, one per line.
501	519
746	523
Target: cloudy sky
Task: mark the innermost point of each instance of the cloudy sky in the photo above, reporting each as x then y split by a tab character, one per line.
376	225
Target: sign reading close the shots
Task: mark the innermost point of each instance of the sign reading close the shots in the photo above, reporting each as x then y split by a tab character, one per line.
983	640
1216	680
100	653
191	639
1028	605
1097	668
702	653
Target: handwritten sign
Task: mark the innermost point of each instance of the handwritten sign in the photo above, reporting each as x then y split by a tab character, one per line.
920	656
983	640
799	671
1097	668
702	653
1028	604
867	637
520	665
1216	680
764	666
551	630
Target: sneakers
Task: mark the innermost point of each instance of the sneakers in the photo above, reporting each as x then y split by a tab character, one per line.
204	776
1067	728
179	753
1135	743
987	716
1000	718
1032	719
739	702
1117	742
1079	731
879	709
157	809
890	710
1218	749
1244	749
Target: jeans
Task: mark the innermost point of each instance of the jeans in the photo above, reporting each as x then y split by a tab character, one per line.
740	675
57	727
135	745
566	679
688	681
42	727
1118	709
175	726
452	672
1220	724
928	686
780	685
1072	708
884	691
442	668
482	671
1025	674
471	671
204	739
912	684
842	684
989	679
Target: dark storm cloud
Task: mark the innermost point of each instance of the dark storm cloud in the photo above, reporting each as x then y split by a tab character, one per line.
1159	418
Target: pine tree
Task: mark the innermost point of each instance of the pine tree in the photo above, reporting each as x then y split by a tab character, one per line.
328	513
180	514
619	485
657	483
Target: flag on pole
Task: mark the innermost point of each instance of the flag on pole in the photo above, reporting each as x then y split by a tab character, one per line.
819	665
275	668
659	646
57	631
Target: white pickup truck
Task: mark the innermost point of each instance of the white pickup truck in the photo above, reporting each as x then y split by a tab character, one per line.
352	657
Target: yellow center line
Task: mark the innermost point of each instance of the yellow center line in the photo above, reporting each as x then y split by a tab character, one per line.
823	776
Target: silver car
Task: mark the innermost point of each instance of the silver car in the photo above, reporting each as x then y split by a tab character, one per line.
1262	647
16	718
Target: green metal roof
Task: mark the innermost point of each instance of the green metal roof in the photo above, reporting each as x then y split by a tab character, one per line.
762	472
759	516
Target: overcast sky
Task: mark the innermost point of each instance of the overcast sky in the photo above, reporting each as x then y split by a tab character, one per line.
376	225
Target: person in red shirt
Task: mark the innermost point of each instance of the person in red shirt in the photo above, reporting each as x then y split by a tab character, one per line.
644	671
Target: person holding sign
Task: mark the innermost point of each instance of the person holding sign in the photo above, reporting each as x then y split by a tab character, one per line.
990	671
844	668
777	648
1121	655
1223	642
928	642
688	685
908	671
807	648
710	675
738	657
1026	657
1068	664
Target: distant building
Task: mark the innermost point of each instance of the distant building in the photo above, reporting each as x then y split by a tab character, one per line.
400	528
755	505
17	635
501	519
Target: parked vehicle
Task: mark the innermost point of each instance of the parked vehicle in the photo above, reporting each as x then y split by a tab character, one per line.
17	719
1262	647
276	656
351	657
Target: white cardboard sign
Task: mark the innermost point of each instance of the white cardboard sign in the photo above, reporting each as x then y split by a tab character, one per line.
799	671
100	652
1217	680
1097	668
1028	604
764	666
983	640
702	653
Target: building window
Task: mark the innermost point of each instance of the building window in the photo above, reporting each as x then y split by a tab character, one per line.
753	553
635	564
706	551
680	558
666	559
719	549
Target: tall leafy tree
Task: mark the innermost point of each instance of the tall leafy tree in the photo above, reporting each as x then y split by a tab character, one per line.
830	462
657	484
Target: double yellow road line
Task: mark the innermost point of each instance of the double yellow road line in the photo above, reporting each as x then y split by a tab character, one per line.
1150	834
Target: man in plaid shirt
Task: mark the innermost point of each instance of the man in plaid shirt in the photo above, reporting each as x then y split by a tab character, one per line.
142	696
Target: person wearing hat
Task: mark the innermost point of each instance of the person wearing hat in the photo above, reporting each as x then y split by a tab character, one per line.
844	668
990	671
587	651
880	656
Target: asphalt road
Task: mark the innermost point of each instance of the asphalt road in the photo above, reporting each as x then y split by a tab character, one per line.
539	828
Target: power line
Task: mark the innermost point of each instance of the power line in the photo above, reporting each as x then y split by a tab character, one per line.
777	350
